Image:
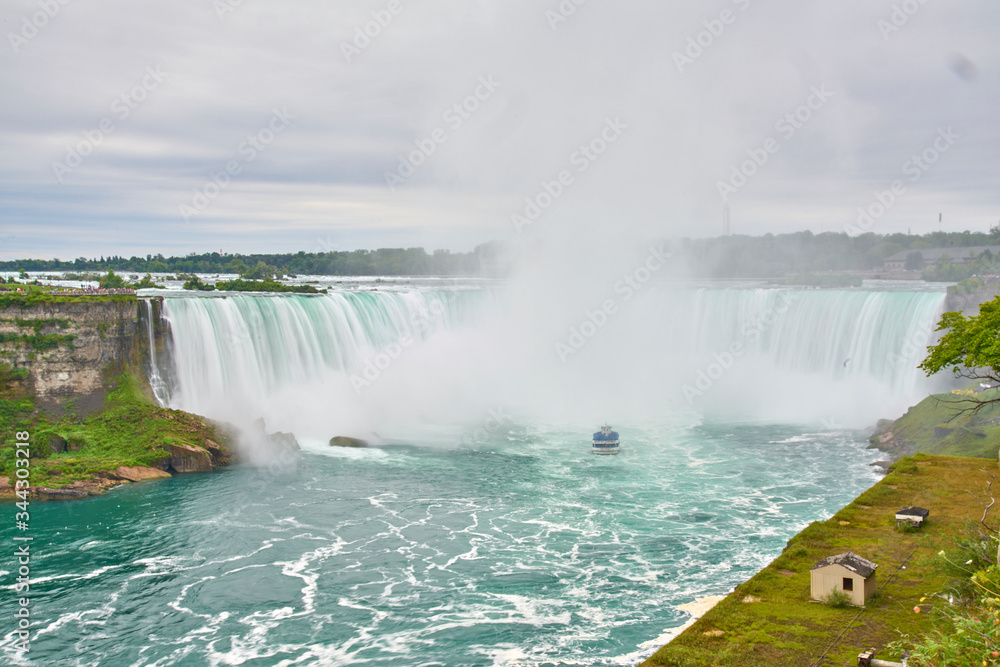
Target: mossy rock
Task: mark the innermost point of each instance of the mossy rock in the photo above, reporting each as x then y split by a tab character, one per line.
75	444
344	441
48	444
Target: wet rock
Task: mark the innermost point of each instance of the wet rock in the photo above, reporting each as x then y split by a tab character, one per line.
138	473
344	441
78	489
283	441
278	441
53	444
185	458
221	454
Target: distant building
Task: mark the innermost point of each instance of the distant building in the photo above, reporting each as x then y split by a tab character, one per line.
847	572
930	256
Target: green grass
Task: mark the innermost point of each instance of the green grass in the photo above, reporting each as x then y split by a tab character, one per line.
937	426
785	627
39	341
127	431
39	324
242	285
38	295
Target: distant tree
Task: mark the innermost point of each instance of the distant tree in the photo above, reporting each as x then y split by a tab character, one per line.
260	272
23	275
914	262
147	282
236	266
194	283
112	281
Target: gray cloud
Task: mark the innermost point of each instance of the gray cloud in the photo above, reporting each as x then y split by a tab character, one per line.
324	175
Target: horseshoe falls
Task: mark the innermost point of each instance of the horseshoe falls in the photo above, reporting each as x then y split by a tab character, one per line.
478	528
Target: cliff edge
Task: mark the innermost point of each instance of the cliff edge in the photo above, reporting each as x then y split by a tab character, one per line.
73	378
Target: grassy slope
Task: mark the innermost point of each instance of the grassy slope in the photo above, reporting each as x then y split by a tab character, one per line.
36	295
128	431
785	628
934	426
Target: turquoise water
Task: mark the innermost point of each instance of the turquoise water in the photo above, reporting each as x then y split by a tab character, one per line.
522	549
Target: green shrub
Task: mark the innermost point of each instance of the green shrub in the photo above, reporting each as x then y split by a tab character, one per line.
838	599
905	467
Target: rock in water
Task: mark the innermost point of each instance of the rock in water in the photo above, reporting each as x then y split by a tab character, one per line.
344	441
189	458
281	442
139	473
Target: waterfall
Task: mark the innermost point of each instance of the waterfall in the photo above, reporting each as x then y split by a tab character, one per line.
159	386
296	359
240	349
836	334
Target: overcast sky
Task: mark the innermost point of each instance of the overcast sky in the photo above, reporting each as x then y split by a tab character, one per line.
116	114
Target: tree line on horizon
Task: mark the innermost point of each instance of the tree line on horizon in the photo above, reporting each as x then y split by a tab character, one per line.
384	261
725	257
798	253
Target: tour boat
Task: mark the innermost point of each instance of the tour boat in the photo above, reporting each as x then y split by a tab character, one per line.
606	441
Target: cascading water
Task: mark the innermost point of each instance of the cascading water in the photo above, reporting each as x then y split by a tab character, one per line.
161	391
832	334
233	356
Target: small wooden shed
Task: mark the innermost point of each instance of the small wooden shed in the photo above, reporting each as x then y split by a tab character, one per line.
847	572
914	516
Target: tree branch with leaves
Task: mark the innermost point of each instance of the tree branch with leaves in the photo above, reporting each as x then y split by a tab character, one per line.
970	348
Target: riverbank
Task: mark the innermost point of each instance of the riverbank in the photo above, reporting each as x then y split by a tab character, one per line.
771	619
944	425
73	375
128	440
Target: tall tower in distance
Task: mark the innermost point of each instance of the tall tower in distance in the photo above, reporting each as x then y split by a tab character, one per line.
725	220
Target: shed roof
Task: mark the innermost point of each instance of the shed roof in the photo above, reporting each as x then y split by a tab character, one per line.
851	561
914	511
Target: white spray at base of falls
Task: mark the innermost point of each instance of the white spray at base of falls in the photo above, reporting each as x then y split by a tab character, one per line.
353	363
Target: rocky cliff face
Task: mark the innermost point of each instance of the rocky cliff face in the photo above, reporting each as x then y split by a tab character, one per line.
83	366
71	350
969	303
